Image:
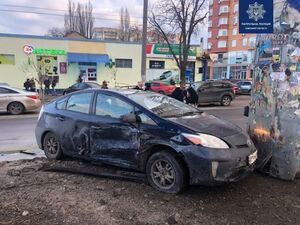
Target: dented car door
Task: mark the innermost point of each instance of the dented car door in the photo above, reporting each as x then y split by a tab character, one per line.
111	139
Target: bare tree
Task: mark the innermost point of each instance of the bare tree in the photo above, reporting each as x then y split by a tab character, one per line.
125	29
56	32
182	17
136	32
80	19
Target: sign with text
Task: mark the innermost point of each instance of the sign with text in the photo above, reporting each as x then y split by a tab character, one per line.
255	16
157	64
28	49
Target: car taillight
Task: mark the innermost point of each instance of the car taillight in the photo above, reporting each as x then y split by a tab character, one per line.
234	89
33	96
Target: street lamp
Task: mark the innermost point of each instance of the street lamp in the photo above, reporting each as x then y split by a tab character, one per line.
144	41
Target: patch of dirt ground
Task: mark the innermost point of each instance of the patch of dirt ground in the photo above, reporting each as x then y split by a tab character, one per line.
29	195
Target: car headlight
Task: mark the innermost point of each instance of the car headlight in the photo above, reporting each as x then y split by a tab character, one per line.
206	140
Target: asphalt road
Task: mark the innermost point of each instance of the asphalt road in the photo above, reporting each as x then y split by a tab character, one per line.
17	132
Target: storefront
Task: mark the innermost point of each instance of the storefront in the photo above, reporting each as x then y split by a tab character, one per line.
161	64
64	59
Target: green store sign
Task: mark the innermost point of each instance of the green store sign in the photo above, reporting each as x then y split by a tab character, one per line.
48	51
163	49
28	49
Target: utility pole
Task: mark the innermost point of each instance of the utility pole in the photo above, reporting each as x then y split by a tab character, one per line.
144	42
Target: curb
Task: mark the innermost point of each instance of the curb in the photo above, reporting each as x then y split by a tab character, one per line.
12	117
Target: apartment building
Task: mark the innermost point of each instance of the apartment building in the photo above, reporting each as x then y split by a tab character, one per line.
232	52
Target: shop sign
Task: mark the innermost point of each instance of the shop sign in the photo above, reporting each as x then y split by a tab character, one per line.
163	49
256	16
157	64
28	49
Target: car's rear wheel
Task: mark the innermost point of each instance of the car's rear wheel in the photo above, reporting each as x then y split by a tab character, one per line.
165	173
52	146
15	108
226	100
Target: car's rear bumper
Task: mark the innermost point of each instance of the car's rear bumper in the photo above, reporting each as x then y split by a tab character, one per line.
33	105
215	166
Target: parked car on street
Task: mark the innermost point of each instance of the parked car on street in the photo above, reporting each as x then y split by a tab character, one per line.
162	87
173	143
244	87
209	92
81	86
16	101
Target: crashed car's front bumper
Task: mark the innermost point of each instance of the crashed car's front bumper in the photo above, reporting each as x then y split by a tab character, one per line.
216	166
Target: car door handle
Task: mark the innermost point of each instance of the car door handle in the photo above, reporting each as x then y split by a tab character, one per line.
96	127
60	118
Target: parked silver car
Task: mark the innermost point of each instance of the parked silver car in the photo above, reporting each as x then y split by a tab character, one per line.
17	101
245	87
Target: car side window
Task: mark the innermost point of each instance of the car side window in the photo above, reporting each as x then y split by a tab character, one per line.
145	119
7	91
217	85
61	104
112	106
76	85
80	102
82	86
248	83
205	86
155	84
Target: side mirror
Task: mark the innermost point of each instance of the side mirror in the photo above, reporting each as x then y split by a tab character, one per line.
130	118
246	111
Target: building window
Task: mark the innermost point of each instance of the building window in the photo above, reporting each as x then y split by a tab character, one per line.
223	21
223	32
156	64
236	8
222	44
245	41
234	20
223	9
233	43
209	34
7	59
124	63
209	45
209	23
252	41
234	31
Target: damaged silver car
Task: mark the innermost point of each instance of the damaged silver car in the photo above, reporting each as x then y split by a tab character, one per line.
174	144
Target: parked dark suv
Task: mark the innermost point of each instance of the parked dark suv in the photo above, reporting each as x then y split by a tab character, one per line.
222	92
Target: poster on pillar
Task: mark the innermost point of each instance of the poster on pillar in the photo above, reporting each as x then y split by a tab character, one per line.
255	16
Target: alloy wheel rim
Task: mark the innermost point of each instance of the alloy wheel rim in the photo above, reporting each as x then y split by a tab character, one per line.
226	101
16	108
163	174
52	145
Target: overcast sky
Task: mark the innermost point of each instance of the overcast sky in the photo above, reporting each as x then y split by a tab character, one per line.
106	14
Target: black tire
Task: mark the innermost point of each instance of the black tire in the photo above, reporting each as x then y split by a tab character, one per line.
161	92
171	167
15	108
226	100
52	147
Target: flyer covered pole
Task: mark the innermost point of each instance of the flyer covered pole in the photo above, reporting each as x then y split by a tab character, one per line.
274	111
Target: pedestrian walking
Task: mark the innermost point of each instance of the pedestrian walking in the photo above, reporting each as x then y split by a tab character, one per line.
79	79
32	84
192	97
47	83
104	85
27	85
180	93
53	85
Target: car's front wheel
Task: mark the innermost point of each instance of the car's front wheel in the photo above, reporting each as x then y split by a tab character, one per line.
165	173
226	100
52	146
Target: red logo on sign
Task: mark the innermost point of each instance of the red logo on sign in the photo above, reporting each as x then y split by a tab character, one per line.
28	49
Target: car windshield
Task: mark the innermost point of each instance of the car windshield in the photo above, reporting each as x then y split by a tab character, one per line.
162	105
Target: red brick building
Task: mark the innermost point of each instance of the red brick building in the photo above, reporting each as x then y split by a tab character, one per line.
232	51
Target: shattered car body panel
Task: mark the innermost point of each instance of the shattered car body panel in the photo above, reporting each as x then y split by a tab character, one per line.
274	117
110	140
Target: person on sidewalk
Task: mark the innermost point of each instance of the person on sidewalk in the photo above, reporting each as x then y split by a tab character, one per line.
192	97
53	85
27	85
180	93
47	83
104	85
32	84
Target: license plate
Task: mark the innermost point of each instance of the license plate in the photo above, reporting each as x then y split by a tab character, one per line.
252	158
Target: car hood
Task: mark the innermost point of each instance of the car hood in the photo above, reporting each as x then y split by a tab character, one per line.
208	124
